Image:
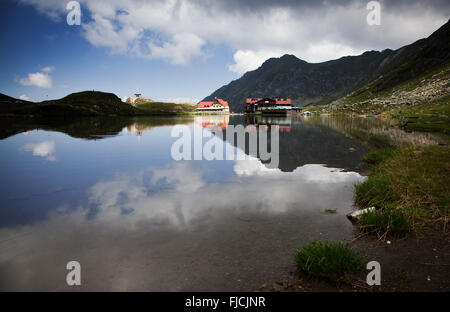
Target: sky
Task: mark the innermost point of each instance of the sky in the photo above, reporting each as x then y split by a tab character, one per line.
183	50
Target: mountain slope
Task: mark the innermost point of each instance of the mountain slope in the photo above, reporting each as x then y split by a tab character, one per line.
88	103
320	83
416	93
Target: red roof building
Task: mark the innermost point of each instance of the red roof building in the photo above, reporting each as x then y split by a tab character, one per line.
218	105
277	100
205	104
268	105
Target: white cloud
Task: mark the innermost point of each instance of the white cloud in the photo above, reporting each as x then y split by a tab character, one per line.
24	97
103	33
44	149
179	32
48	69
181	49
40	79
247	60
51	8
327	50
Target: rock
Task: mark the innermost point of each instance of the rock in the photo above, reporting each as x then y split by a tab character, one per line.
355	215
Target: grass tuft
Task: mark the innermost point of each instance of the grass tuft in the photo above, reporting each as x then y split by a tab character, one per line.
389	222
378	156
330	260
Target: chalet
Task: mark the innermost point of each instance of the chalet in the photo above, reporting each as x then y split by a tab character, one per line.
218	105
268	105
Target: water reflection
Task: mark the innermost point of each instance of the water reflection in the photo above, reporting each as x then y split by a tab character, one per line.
153	230
302	143
179	195
43	149
137	220
213	121
378	126
88	128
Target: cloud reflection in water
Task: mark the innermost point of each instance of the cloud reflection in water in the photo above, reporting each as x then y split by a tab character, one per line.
43	149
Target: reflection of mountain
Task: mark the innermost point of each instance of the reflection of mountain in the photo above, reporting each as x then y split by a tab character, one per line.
144	124
91	128
85	128
375	127
308	144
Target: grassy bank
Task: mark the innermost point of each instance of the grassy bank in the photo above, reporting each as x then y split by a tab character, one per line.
329	260
429	116
408	186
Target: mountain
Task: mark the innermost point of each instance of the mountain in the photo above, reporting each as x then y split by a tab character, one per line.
321	83
416	93
430	55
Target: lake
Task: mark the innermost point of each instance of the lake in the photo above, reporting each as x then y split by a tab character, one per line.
109	194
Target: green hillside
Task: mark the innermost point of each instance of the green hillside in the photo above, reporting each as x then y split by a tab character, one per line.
164	108
87	103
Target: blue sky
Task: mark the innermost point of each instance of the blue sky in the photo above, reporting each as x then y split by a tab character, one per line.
32	41
183	50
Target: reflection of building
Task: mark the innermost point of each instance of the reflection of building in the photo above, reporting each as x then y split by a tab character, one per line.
218	105
213	121
253	122
138	129
268	105
305	143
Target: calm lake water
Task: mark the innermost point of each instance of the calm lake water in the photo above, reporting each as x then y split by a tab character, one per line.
108	194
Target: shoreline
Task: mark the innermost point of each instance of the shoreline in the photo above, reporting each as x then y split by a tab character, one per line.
417	260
